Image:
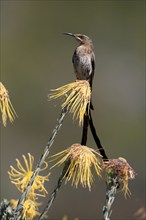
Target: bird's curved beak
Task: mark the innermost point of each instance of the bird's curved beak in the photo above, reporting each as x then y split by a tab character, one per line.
74	35
70	34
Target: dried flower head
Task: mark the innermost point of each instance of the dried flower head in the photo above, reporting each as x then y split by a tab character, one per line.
6	107
82	159
21	177
30	208
122	170
78	97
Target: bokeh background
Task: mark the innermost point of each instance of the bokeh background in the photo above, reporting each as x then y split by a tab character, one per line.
36	57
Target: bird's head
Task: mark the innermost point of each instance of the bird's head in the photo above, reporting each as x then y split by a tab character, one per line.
83	39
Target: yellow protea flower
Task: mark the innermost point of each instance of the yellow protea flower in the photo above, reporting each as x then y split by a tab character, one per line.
30	208
78	95
82	159
122	171
6	106
21	177
65	217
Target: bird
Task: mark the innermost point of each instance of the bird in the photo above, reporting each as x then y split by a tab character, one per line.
83	59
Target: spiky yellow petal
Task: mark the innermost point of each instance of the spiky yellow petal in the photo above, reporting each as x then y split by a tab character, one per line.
21	177
30	208
6	106
82	159
78	95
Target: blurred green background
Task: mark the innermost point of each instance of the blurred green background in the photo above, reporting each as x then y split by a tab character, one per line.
36	57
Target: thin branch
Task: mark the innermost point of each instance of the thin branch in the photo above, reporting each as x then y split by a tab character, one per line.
111	189
54	193
19	207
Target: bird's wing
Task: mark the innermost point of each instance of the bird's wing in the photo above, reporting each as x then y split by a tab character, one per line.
93	69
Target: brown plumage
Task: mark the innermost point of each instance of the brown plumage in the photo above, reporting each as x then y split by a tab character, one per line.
83	59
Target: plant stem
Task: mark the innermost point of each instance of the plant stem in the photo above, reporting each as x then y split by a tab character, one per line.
18	210
111	189
54	193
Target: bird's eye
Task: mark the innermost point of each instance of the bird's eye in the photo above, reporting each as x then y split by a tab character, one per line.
80	37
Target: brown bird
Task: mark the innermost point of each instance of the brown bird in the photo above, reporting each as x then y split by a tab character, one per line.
83	59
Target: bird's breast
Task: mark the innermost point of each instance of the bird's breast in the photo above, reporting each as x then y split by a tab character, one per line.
82	66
